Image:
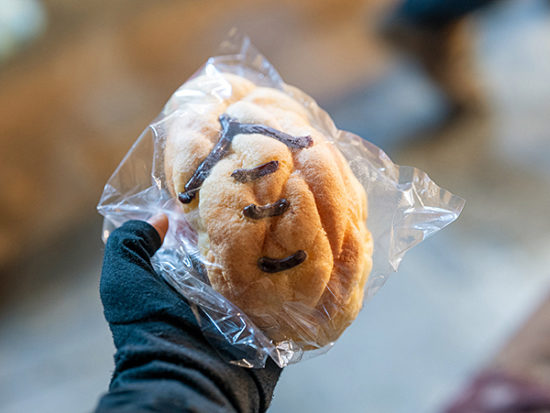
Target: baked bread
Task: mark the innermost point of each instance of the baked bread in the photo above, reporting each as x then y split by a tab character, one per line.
279	215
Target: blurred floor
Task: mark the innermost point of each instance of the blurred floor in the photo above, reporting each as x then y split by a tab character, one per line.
456	299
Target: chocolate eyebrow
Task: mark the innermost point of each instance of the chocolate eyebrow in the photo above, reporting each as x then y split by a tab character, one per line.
246	175
273	265
295	142
230	128
263	211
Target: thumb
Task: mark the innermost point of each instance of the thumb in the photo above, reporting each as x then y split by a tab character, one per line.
160	223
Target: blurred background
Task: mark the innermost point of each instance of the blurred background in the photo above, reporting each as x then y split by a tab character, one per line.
460	89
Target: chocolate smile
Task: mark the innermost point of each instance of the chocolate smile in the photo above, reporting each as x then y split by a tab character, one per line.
273	265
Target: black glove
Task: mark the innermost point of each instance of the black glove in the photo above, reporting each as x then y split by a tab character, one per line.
163	363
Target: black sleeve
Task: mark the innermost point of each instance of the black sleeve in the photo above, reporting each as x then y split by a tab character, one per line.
163	363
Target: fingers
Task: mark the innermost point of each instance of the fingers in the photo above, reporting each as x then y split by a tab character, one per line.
160	223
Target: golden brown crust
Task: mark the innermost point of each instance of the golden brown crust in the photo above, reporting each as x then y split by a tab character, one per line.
313	302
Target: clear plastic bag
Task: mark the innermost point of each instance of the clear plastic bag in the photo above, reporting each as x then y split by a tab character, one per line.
404	207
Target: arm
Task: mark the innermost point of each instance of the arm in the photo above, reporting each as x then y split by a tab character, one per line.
163	363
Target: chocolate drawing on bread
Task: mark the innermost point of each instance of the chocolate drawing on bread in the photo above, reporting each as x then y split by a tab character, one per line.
230	128
276	265
270	210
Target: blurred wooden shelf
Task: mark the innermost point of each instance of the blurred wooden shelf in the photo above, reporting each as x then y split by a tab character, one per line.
73	103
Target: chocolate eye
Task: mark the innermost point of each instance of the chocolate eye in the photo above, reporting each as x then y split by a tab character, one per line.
263	211
247	175
273	265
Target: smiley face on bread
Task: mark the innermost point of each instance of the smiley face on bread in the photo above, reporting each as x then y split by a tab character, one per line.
280	216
